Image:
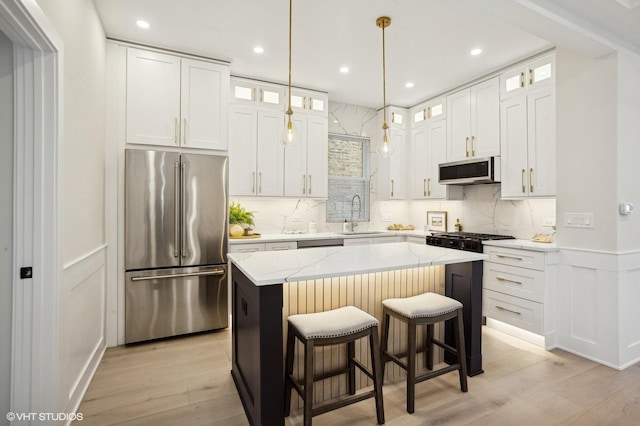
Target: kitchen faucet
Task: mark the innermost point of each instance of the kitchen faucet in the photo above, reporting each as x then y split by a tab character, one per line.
353	200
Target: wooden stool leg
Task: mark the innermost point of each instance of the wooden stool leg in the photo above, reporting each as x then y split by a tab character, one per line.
385	339
462	355
411	365
288	371
377	373
309	351
430	347
351	354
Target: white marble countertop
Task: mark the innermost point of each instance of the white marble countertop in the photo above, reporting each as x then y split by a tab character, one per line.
522	244
274	238
275	267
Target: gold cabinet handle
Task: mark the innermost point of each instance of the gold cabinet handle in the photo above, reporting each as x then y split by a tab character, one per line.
253	94
309	184
508	280
530	76
184	131
424	187
310	102
531	179
506	256
304	184
522	79
175	131
253	182
500	308
261	96
466	145
260	182
392	187
522	181
304	102
428	112
429	187
473	146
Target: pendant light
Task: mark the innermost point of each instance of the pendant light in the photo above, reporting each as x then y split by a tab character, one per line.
385	150
290	135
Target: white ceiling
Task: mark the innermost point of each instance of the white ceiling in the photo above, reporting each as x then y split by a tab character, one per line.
428	42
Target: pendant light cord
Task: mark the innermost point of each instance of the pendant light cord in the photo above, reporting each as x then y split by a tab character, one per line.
384	81
289	110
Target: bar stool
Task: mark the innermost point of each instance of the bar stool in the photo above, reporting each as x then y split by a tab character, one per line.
424	309
342	325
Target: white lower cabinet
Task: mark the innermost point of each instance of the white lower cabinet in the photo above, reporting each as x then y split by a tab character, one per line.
254	247
416	240
514	290
371	240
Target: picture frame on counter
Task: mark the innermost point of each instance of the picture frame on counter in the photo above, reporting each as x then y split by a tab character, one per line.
437	221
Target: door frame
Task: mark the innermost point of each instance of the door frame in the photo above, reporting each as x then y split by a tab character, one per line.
38	53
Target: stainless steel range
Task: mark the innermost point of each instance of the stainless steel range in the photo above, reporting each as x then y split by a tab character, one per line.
468	241
463	282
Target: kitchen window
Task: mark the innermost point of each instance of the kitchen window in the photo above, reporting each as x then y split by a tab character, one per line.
348	171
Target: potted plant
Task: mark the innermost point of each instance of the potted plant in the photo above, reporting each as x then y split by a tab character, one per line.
240	221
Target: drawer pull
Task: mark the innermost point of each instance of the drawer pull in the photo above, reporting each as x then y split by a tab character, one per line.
500	308
506	256
508	280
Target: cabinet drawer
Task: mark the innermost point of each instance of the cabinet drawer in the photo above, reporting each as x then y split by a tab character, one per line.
357	241
512	310
288	245
385	240
416	240
246	248
516	257
519	282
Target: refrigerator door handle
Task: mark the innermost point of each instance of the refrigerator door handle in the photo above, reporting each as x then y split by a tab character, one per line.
176	209
193	274
183	249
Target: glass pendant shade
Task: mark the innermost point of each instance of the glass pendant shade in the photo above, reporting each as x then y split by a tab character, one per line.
290	136
385	149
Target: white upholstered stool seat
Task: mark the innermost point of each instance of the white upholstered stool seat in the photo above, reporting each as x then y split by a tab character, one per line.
425	309
422	305
339	326
336	323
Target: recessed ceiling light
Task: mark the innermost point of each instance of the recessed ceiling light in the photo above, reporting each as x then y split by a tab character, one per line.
409	85
258	49
142	24
476	51
344	70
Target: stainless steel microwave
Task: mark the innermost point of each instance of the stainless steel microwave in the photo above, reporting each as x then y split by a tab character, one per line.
469	172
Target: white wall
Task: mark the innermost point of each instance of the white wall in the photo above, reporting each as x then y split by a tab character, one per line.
81	299
587	148
628	172
6	220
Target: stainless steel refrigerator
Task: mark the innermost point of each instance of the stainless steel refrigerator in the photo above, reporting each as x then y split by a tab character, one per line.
176	229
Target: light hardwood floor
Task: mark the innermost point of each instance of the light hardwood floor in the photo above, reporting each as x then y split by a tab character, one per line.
187	381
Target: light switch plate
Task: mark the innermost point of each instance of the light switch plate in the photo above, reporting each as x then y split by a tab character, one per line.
578	220
385	217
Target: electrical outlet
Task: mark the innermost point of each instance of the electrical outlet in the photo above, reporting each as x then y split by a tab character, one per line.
295	218
578	220
385	217
549	221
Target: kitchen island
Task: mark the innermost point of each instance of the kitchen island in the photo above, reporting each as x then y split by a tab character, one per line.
267	287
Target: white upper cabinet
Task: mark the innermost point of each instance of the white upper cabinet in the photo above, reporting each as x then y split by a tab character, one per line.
173	101
254	93
473	122
309	102
256	156
528	131
536	74
432	110
429	150
306	165
392	173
